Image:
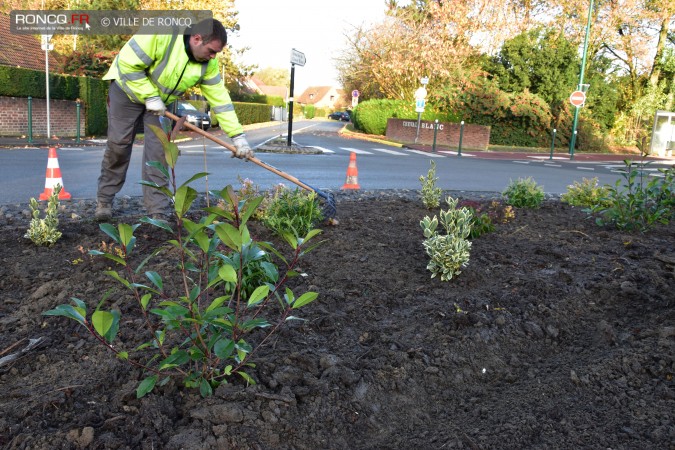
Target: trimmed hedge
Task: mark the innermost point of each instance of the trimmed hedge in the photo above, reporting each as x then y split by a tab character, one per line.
20	82
371	116
94	93
247	113
308	111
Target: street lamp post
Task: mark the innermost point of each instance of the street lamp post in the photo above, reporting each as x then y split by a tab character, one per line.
581	81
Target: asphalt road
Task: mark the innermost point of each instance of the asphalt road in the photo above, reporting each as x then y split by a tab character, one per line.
379	165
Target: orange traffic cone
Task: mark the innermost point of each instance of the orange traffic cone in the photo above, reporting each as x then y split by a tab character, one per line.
352	181
53	178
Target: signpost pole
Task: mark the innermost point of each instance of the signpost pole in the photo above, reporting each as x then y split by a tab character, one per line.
419	120
46	46
299	59
581	81
289	139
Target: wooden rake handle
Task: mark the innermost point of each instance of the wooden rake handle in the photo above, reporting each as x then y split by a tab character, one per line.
231	148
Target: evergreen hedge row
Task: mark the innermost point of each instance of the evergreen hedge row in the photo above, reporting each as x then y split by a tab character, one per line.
247	113
20	82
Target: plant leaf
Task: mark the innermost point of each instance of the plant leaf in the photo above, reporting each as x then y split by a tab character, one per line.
146	386
155	279
174	360
227	273
111	231
205	388
223	348
247	377
66	311
304	299
102	321
258	295
183	199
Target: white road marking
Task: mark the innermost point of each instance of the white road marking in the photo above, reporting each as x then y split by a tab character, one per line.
391	152
552	165
324	150
356	150
304	128
430	155
454	153
546	157
586	168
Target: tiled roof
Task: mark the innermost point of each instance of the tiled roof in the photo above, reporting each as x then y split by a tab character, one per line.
313	94
276	91
257	84
21	50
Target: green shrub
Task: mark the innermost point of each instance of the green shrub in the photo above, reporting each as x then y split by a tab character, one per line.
274	100
516	119
94	93
448	252
431	195
637	204
294	210
486	216
45	231
308	111
249	113
524	193
205	312
587	193
371	116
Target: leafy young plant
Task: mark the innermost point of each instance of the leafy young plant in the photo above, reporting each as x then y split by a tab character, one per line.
486	216
250	190
448	252
45	232
225	298
294	211
637	204
431	195
524	193
587	193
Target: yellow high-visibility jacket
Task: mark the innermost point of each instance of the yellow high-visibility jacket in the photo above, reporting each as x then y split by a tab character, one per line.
152	65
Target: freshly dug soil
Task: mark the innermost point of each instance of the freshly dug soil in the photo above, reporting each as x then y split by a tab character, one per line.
558	334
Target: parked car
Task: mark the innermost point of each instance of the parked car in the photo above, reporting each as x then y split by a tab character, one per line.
340	115
194	116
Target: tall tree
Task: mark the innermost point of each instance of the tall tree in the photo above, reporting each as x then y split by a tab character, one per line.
272	76
541	60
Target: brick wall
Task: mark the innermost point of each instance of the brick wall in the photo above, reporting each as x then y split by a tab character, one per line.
476	137
62	113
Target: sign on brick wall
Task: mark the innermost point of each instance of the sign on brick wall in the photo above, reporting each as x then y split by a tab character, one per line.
475	137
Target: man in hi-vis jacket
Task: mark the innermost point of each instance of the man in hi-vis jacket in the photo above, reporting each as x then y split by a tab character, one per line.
150	72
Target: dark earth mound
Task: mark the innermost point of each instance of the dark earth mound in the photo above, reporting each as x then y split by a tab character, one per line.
558	334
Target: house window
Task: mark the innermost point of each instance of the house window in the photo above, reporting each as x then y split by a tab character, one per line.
311	96
332	98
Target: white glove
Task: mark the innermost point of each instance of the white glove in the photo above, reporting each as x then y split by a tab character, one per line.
243	149
155	105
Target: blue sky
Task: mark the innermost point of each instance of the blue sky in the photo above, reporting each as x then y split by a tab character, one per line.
315	27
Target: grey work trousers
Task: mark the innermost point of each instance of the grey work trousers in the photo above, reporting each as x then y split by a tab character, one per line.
124	116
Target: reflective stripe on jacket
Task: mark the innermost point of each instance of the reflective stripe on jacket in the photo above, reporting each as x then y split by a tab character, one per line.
151	65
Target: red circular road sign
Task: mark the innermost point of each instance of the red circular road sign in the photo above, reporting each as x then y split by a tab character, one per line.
578	98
